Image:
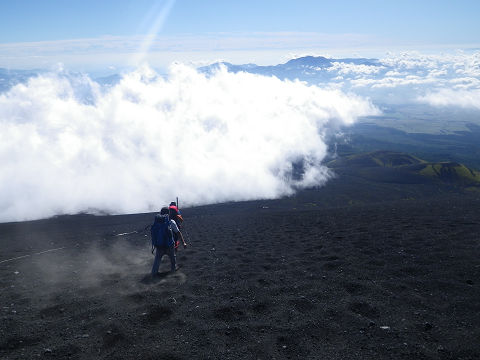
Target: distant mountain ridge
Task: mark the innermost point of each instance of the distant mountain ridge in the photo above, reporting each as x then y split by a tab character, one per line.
12	77
395	167
303	68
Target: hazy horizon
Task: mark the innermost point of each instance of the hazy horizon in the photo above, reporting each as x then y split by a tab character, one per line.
97	37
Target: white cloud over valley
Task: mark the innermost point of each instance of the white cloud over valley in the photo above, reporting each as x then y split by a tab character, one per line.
68	144
436	80
452	97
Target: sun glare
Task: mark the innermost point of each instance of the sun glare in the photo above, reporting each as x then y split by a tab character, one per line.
159	13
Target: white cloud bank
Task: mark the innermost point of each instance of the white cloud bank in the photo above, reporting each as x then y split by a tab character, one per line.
451	97
67	145
434	79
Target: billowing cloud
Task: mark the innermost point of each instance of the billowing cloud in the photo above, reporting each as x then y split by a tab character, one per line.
68	145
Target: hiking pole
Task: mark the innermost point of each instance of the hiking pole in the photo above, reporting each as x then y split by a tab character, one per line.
184	230
178	207
186	233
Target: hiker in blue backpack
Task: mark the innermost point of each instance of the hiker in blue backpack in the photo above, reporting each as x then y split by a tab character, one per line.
162	240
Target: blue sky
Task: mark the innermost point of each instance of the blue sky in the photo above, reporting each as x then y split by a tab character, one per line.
99	33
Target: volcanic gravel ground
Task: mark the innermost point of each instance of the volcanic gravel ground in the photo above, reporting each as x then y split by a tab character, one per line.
387	281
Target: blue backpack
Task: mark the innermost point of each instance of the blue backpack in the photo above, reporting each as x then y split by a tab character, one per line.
161	233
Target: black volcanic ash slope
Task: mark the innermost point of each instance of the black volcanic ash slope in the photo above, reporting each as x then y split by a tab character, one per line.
262	279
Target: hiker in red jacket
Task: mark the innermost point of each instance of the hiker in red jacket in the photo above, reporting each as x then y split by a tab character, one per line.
174	214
